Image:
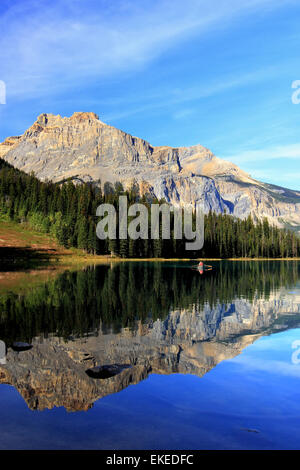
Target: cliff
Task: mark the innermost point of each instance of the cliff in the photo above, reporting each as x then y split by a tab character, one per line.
84	148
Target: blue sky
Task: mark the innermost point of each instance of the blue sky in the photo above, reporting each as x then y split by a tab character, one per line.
177	73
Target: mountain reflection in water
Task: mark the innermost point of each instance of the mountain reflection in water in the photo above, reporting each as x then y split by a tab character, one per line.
160	318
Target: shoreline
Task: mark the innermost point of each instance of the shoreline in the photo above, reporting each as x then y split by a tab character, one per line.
108	259
65	259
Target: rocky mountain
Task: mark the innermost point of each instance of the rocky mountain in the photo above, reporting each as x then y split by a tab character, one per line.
84	148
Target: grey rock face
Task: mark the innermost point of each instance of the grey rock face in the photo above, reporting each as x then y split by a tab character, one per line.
85	149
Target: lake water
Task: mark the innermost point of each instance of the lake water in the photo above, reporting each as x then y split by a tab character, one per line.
213	360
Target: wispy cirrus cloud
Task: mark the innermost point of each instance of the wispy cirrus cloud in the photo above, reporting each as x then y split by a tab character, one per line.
274	164
269	153
177	97
183	113
46	47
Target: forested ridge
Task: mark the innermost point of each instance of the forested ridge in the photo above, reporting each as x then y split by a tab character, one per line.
67	211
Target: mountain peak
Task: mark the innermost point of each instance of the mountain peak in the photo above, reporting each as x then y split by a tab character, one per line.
80	116
86	149
83	116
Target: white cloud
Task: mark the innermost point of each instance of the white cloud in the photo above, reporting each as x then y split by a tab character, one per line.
268	174
269	153
46	47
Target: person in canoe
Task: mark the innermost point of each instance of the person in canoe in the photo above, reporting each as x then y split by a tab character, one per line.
202	267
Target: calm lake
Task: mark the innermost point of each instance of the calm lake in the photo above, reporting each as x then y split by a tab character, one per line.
140	355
